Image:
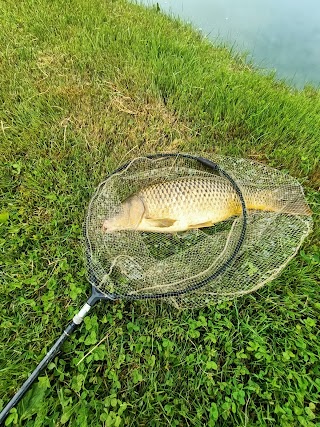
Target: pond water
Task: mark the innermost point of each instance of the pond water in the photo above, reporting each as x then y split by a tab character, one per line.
279	35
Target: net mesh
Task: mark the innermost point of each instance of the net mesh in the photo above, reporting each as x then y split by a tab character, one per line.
137	264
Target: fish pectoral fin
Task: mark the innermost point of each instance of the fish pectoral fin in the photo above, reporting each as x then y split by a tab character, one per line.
202	224
160	222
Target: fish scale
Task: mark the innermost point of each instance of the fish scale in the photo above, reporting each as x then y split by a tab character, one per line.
187	195
195	202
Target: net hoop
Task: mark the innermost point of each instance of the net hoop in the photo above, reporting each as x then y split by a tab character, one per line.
171	294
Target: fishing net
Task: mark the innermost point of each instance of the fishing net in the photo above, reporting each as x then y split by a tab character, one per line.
194	267
191	268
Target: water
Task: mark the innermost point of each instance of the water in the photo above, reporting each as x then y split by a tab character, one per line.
278	35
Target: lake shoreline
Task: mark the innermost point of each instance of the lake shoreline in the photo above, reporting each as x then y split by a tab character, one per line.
276	36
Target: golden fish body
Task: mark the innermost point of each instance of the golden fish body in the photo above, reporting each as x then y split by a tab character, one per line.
187	203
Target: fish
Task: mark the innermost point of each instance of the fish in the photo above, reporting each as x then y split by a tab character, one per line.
196	202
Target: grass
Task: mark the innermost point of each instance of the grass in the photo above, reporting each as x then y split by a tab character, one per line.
85	86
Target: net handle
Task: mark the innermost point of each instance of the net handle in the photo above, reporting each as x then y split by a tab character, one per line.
216	168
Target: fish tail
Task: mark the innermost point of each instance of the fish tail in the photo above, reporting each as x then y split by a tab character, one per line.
289	200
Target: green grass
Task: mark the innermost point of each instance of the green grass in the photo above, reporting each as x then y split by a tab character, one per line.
84	86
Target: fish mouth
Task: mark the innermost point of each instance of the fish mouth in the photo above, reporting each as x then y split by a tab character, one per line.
107	227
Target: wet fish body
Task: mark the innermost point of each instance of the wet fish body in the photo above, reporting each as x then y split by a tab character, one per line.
194	202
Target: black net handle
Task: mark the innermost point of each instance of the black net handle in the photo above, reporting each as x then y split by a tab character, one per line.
214	167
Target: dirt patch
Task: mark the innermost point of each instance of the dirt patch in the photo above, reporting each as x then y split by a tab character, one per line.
314	181
128	122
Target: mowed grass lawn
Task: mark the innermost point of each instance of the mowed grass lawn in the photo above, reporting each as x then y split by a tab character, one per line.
85	86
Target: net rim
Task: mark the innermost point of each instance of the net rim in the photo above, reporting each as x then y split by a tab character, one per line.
209	164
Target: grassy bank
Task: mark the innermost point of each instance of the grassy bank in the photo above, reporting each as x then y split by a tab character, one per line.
85	86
